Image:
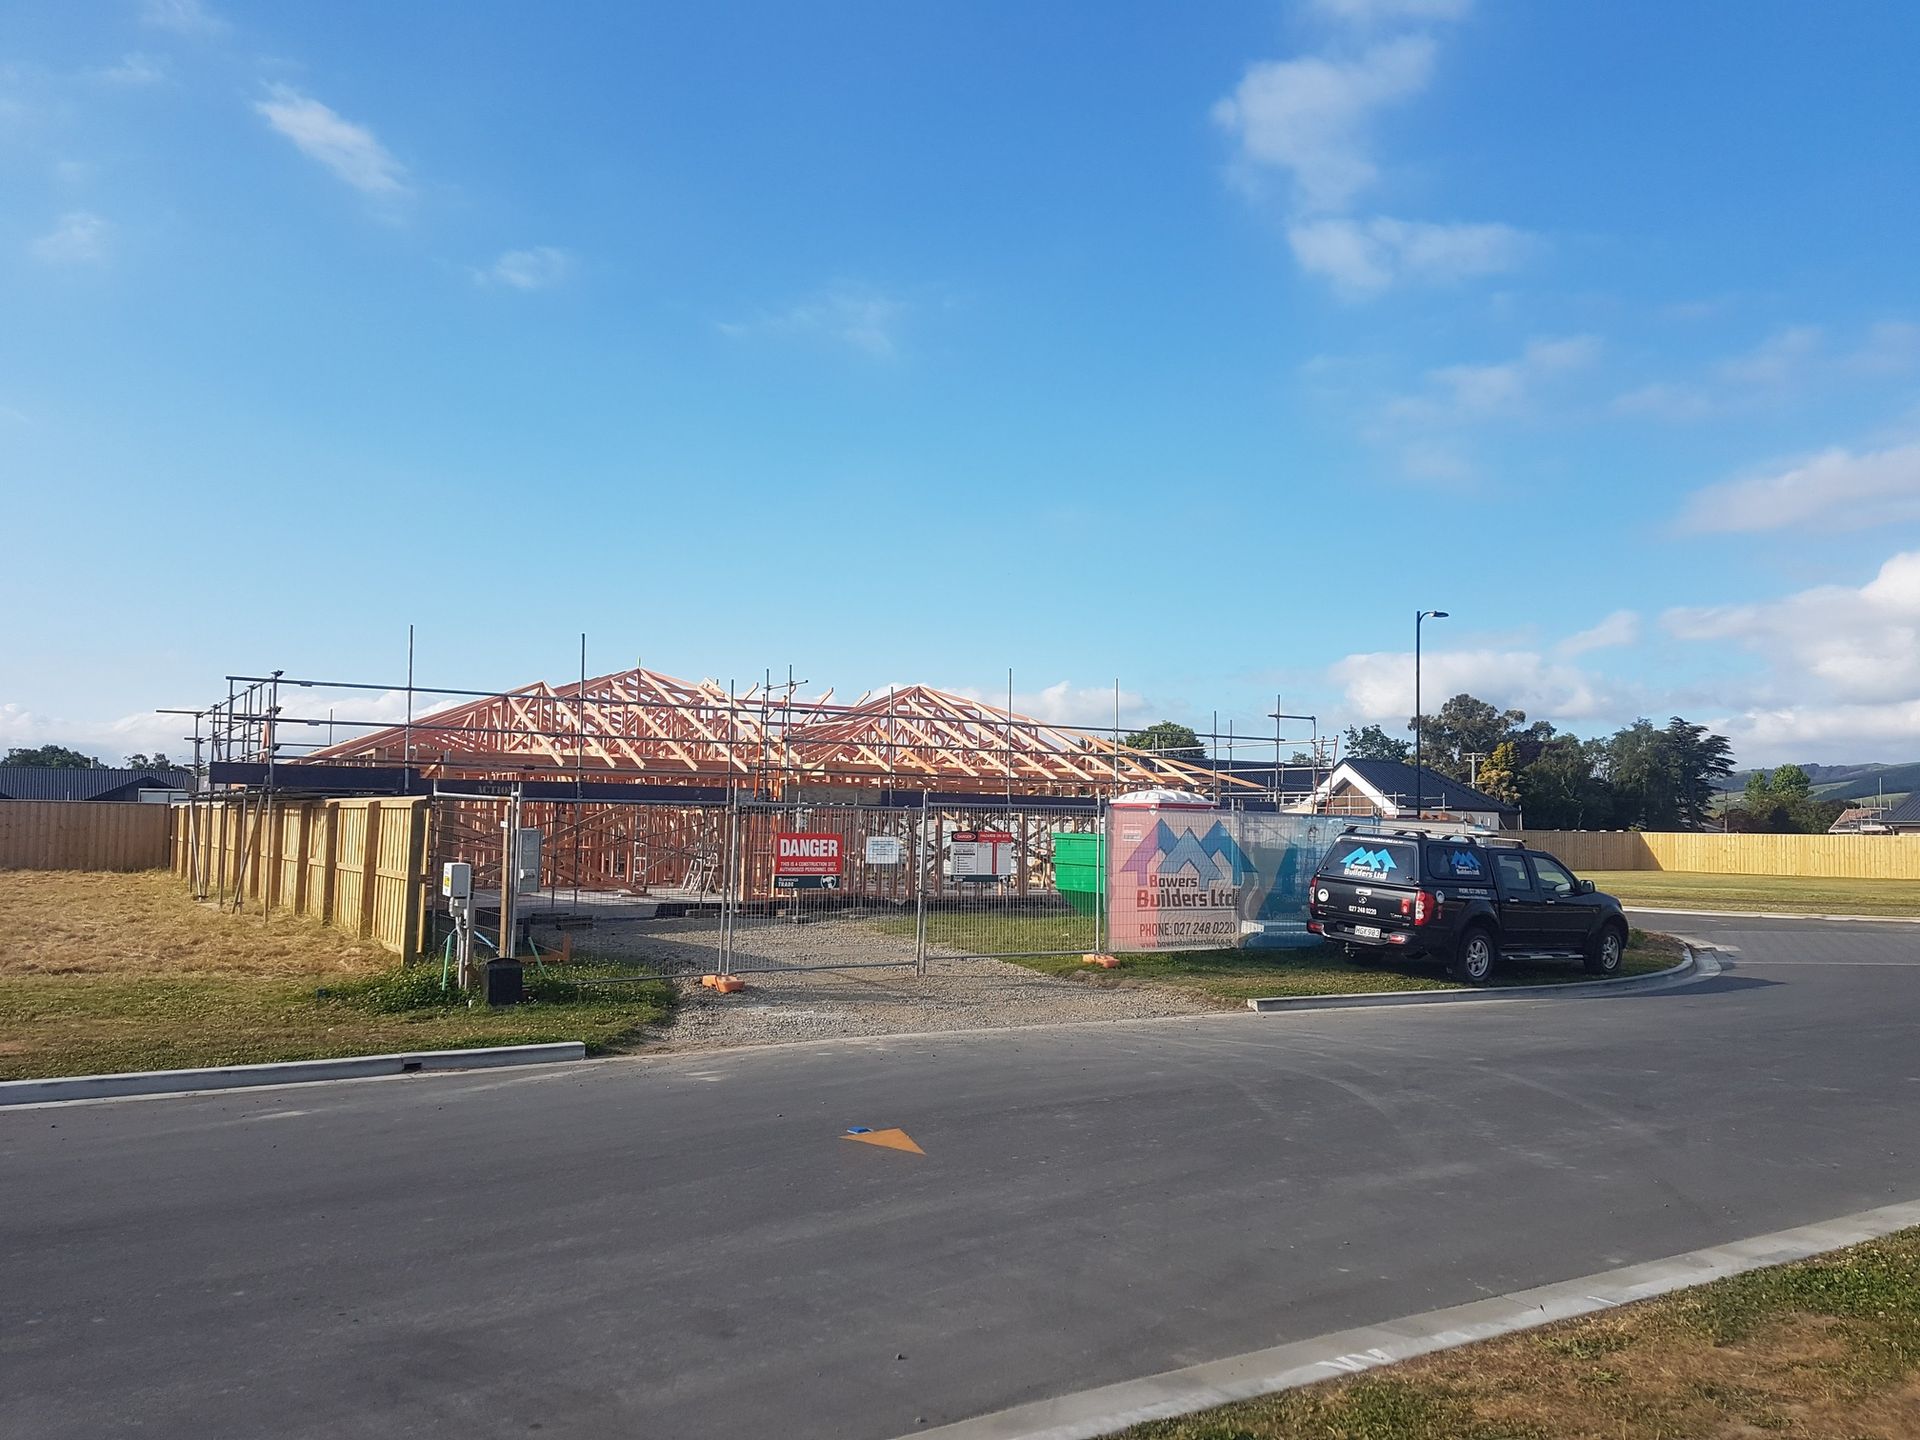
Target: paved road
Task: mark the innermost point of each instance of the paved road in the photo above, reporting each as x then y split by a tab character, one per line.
685	1248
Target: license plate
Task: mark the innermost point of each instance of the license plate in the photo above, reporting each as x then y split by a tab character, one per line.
1367	932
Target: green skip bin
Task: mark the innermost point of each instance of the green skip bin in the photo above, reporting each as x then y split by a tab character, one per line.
1080	870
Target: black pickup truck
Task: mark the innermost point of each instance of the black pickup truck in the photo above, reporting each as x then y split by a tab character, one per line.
1463	900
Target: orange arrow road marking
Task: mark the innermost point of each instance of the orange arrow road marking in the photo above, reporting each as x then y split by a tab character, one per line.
888	1139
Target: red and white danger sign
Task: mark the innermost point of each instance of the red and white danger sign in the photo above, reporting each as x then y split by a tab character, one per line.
806	852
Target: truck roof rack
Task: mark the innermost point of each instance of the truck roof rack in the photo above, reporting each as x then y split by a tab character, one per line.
1458	837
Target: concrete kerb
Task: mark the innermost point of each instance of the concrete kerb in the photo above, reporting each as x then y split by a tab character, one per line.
291	1072
1694	967
1783	915
1111	1408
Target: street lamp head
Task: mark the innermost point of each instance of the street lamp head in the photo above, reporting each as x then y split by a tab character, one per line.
1433	614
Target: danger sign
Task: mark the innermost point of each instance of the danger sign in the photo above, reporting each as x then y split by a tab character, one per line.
805	855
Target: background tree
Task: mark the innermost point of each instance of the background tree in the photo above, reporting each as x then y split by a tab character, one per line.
1370	742
156	761
1499	773
1468	725
1781	802
1560	790
1164	737
56	757
1701	762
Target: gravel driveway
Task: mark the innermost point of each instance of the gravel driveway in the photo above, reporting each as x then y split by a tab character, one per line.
789	1004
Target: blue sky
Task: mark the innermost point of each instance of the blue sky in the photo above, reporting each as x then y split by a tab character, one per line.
1195	347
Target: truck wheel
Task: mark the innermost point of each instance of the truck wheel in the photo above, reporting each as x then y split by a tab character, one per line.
1479	952
1606	950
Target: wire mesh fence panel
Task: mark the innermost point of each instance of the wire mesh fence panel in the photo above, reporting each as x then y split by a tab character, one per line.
621	883
822	887
1007	880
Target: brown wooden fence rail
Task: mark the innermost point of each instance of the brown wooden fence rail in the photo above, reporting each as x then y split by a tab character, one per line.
1826	857
82	835
357	865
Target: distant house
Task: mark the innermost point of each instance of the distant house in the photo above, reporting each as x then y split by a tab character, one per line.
52	782
1392	790
1904	818
1861	820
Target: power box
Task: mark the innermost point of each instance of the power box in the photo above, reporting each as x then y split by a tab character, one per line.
526	870
456	880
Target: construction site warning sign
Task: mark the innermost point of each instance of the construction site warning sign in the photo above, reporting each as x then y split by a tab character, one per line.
806	860
981	855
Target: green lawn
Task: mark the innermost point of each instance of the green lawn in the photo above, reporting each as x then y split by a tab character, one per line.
1237	976
1682	889
1825	1349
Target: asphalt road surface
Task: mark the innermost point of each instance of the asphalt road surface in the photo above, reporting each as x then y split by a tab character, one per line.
687	1247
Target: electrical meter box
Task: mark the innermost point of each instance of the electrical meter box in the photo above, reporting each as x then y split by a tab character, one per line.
456	880
526	870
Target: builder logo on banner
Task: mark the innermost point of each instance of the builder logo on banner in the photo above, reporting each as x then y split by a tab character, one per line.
806	860
1176	880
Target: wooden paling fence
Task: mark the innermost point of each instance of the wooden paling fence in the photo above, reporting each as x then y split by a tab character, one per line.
1825	857
357	865
82	835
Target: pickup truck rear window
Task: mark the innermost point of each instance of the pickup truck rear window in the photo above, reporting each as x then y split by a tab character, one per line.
1367	857
1457	862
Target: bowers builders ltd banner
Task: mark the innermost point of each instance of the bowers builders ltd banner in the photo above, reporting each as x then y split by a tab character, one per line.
1184	878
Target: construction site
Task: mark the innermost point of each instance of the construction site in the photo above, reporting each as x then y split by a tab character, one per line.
710	813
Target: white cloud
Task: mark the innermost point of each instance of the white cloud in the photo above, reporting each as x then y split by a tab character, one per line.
110	741
1362	258
1374	12
531	269
183	17
1661	401
1892	347
1379	686
1825	734
865	319
1834	490
1776	361
1459	392
1833	644
1065	703
79	239
1787	365
1308	116
1622	627
135	71
350	151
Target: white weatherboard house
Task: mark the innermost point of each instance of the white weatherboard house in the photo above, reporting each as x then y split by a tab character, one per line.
1391	790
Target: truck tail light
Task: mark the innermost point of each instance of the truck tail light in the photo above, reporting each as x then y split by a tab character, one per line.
1425	908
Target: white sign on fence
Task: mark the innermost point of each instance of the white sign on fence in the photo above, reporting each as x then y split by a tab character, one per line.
884	850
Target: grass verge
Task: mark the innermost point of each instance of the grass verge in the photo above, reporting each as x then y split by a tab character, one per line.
1823	1349
1683	889
1236	976
124	972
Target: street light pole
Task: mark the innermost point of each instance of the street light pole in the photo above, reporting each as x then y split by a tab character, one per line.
1419	771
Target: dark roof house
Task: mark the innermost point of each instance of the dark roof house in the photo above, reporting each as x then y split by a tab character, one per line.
1904	818
52	782
1394	790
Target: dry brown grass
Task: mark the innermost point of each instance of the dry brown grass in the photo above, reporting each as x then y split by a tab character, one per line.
60	922
124	972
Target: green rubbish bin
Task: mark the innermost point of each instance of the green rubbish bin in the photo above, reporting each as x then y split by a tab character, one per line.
1080	870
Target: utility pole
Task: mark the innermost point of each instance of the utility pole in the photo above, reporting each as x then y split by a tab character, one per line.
1473	758
1419	774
